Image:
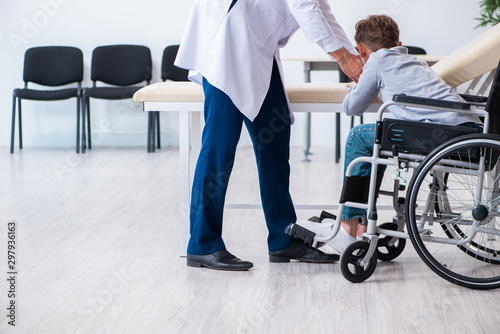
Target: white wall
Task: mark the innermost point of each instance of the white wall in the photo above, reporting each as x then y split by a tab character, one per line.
440	26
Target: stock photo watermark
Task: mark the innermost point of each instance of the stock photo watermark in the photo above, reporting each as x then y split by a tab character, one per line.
30	26
255	319
394	7
12	251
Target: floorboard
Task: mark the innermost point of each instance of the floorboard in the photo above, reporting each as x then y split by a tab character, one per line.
97	252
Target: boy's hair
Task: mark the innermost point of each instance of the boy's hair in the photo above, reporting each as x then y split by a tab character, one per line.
377	32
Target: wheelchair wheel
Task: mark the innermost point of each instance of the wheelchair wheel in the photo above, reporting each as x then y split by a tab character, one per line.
385	251
453	211
350	262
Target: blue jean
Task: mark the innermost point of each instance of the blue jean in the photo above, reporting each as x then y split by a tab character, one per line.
270	133
360	144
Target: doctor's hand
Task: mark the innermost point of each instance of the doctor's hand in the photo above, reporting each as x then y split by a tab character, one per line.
350	64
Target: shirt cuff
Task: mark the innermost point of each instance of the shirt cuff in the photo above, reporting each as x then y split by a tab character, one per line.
330	44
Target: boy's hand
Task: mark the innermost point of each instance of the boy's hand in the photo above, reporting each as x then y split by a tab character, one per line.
350	64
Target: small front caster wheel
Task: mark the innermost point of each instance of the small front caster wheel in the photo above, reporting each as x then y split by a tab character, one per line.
350	262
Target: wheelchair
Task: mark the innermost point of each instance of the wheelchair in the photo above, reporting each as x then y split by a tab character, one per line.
450	208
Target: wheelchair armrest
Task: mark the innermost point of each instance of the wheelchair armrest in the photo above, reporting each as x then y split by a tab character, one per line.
403	98
474	98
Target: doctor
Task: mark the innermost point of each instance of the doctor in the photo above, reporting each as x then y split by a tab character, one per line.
231	48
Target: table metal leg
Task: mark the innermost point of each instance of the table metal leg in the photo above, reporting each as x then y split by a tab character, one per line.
337	138
184	178
307	118
307	137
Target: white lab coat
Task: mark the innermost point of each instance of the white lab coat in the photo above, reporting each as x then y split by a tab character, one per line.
234	50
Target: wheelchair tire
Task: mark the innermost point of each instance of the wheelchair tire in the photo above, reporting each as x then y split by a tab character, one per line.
456	235
350	262
386	252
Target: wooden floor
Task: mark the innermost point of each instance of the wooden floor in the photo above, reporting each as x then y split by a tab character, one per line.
98	252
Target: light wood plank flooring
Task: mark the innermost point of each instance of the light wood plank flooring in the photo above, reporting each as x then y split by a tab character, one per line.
98	252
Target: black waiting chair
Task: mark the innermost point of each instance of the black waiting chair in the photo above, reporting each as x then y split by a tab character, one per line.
121	68
52	66
168	72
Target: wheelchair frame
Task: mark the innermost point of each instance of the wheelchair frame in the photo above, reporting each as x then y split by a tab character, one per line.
359	259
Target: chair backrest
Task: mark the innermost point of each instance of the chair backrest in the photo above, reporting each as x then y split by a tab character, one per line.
168	70
493	104
415	50
121	65
53	65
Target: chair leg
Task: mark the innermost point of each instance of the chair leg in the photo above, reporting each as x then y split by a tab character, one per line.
158	128
20	123
13	128
360	120
84	130
337	139
78	103
153	131
89	129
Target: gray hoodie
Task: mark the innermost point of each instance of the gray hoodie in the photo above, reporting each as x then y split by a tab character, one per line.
394	71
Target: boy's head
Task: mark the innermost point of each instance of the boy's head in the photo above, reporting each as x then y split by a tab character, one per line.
377	32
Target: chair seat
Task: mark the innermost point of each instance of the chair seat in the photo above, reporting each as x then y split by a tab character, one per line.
46	95
112	93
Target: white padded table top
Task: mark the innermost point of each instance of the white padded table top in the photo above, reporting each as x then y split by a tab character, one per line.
318	92
170	92
472	60
191	92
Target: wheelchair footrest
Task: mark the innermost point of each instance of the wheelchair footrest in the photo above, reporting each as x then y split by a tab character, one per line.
301	233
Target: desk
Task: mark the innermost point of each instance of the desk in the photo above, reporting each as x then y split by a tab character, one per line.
323	63
187	98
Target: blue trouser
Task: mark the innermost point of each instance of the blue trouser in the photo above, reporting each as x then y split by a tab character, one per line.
270	133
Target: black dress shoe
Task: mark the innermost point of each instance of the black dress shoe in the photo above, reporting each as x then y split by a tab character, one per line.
221	260
302	252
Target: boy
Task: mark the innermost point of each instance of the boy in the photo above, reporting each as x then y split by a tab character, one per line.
388	70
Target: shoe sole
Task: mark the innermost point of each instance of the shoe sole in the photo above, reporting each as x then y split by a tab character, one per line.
301	233
278	259
196	264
